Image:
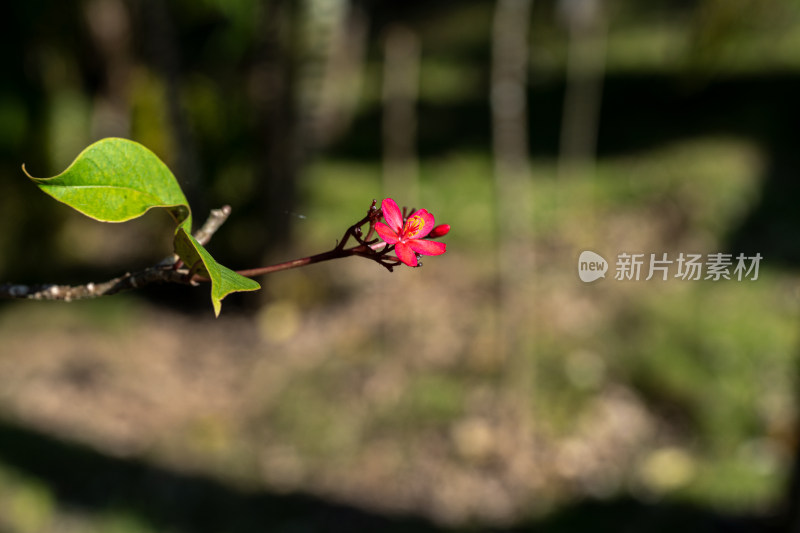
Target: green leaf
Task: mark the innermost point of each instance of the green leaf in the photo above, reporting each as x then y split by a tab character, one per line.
223	280
115	180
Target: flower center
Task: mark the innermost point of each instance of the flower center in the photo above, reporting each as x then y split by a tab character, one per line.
413	227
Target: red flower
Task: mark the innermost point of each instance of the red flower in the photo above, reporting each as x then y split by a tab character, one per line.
408	238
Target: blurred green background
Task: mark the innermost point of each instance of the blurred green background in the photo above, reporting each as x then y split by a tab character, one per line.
490	389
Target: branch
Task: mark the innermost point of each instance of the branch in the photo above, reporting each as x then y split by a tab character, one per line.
172	270
163	272
367	247
215	219
135	280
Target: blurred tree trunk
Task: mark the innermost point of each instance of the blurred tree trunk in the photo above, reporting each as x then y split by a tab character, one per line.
275	104
301	44
508	91
583	89
109	24
331	63
343	72
165	54
513	195
400	88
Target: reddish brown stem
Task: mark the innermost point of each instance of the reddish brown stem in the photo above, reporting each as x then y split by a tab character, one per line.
286	265
371	249
362	250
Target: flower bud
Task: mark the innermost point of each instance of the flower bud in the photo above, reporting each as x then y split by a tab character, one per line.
439	231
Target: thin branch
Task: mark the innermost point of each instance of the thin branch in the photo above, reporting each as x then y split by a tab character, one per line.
286	265
216	219
163	272
367	247
362	250
171	270
129	281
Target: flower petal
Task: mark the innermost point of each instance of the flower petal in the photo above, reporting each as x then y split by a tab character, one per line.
427	247
386	233
418	225
392	214
406	254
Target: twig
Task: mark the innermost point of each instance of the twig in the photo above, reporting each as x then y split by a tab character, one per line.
367	247
215	219
163	272
172	270
135	280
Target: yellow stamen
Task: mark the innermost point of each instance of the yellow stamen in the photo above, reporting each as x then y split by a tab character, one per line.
414	226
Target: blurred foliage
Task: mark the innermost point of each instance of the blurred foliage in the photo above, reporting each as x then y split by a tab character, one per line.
390	390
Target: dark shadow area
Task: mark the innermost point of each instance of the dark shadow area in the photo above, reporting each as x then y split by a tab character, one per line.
630	515
86	479
83	478
771	227
639	112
